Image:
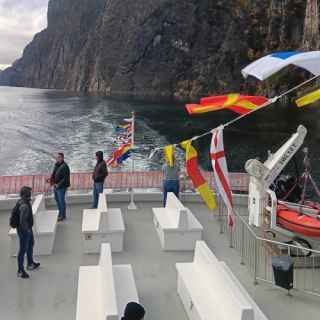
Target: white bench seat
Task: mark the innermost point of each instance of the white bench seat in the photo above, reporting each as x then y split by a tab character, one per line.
126	290
89	281
198	305
165	217
48	222
178	229
44	229
208	291
102	225
104	290
258	314
91	220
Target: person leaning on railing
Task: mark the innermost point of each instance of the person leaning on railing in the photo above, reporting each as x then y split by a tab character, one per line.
170	179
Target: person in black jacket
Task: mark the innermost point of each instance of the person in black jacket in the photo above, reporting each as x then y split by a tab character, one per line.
99	175
60	179
25	233
134	311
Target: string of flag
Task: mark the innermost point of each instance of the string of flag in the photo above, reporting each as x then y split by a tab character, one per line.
125	140
243	105
260	103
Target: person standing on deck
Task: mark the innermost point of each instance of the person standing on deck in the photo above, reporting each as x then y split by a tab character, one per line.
60	179
134	311
25	233
99	175
170	180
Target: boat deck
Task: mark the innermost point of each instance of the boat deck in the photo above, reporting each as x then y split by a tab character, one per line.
51	292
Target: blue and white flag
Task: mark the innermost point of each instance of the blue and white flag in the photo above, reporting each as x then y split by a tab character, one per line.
269	65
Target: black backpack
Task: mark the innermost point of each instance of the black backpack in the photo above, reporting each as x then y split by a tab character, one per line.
15	216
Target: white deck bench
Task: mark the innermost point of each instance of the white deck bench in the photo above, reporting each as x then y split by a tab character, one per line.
258	314
105	289
177	228
44	229
102	225
209	290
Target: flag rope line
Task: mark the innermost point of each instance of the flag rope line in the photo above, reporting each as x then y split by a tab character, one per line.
269	102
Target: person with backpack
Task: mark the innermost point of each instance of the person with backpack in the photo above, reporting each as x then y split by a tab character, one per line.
99	175
22	220
60	179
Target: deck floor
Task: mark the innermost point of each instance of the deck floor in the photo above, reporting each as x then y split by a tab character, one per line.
51	292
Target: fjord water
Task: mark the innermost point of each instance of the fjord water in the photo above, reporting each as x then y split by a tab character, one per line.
35	124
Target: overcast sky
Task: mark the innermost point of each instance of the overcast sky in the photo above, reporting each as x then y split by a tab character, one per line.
19	21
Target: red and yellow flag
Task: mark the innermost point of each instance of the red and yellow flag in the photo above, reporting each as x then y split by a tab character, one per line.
195	175
235	102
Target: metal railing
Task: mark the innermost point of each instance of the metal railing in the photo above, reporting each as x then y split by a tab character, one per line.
115	180
256	252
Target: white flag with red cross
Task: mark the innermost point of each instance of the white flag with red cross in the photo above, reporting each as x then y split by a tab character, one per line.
221	173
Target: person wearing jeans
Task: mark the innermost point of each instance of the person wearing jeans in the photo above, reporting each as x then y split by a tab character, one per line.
60	179
170	180
97	189
25	234
60	197
99	175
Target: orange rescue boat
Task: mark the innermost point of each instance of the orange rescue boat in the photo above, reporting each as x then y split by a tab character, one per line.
307	225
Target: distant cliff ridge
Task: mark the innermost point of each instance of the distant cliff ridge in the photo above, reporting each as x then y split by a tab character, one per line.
159	48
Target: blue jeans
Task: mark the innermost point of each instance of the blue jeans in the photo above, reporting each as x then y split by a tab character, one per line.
170	186
60	197
26	240
97	189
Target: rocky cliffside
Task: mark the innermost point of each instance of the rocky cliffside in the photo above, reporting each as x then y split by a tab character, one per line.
159	48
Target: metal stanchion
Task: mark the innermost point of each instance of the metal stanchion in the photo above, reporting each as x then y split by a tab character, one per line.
220	218
242	243
231	237
255	261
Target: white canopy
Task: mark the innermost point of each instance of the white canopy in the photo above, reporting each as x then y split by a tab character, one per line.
267	66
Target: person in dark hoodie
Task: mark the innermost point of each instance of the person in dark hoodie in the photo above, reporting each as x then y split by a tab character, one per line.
60	179
133	311
99	175
25	233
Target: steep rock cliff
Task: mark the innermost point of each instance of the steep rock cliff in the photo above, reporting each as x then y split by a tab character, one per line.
159	48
